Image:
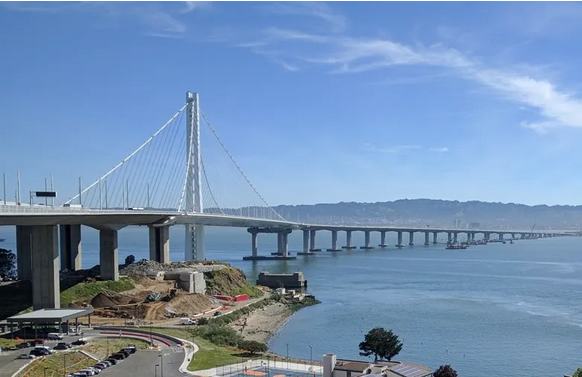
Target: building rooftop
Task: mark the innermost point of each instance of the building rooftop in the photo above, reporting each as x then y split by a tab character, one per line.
351	365
393	368
50	315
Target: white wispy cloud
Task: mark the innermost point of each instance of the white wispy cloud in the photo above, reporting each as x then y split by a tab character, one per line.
439	149
159	22
343	54
334	21
192	5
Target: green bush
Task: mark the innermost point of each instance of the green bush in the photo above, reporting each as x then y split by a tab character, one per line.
578	373
219	335
252	346
202	321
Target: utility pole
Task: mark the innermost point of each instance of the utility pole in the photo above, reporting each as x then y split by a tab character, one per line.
80	192
4	183
52	189
45	189
18	187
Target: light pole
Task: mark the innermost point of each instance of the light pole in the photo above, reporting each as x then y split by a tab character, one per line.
161	364
156	371
64	364
287	355
45	371
311	355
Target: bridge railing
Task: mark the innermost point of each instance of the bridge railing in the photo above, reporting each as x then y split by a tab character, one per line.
27	209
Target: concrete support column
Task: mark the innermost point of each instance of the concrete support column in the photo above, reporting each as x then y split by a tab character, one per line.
24	252
455	236
449	237
512	236
160	244
383	239
426	238
367	241
71	252
434	237
283	244
312	242
45	268
411	238
305	241
486	236
108	255
254	244
399	244
468	236
333	241
348	240
501	236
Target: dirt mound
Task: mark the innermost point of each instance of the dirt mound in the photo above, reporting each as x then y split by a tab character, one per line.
106	300
229	281
188	304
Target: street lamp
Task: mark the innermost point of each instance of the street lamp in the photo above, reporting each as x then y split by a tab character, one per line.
156	371
287	355
311	355
64	364
161	364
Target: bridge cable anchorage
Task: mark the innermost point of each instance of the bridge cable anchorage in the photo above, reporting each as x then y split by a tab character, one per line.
277	215
128	158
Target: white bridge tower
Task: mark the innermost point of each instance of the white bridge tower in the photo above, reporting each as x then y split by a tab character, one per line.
194	246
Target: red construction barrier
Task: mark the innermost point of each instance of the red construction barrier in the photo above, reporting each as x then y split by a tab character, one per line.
241	298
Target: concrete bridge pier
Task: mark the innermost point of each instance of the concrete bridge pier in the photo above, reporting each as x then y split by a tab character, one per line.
283	244
399	244
108	254
383	239
254	242
334	241
312	246
486	236
305	241
455	236
426	238
434	237
449	237
160	244
24	252
367	245
71	251
348	241
501	236
513	236
46	292
411	238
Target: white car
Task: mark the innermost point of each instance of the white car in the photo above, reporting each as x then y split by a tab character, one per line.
26	356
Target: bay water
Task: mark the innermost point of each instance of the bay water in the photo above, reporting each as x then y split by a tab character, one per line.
503	310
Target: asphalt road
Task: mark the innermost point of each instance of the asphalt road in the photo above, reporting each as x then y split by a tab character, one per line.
143	363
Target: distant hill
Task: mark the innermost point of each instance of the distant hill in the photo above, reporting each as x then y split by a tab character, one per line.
420	212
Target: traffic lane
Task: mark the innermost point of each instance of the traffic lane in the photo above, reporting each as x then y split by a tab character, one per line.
9	363
143	363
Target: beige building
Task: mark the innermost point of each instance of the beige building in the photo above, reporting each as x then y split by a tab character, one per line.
333	367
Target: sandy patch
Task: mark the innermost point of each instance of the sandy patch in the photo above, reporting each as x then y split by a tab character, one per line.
261	324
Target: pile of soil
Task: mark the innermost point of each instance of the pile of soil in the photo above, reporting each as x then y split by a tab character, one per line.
184	305
106	300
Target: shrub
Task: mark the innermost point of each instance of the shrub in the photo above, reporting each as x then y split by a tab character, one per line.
252	346
130	259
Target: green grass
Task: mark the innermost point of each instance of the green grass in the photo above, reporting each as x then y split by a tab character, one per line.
6	343
83	291
99	347
55	364
208	355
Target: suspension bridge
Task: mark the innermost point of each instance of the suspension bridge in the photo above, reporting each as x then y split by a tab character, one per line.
165	181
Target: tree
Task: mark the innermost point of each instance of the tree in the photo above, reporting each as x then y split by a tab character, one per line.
130	259
7	263
445	371
252	346
578	373
384	345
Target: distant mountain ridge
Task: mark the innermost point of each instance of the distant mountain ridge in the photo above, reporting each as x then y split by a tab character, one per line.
446	213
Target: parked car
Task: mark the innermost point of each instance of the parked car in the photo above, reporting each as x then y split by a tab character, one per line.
68	345
26	356
60	347
112	361
125	351
79	342
24	345
88	371
118	356
131	348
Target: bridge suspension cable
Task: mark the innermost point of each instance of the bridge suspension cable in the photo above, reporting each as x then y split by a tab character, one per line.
270	210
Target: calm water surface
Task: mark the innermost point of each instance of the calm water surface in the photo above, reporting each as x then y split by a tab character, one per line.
512	310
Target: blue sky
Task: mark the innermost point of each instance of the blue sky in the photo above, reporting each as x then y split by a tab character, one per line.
318	102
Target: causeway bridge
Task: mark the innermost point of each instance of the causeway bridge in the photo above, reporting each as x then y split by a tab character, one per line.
165	182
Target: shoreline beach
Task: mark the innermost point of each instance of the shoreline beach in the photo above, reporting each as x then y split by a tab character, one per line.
263	323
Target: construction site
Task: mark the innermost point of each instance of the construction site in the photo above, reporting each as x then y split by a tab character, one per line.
149	292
